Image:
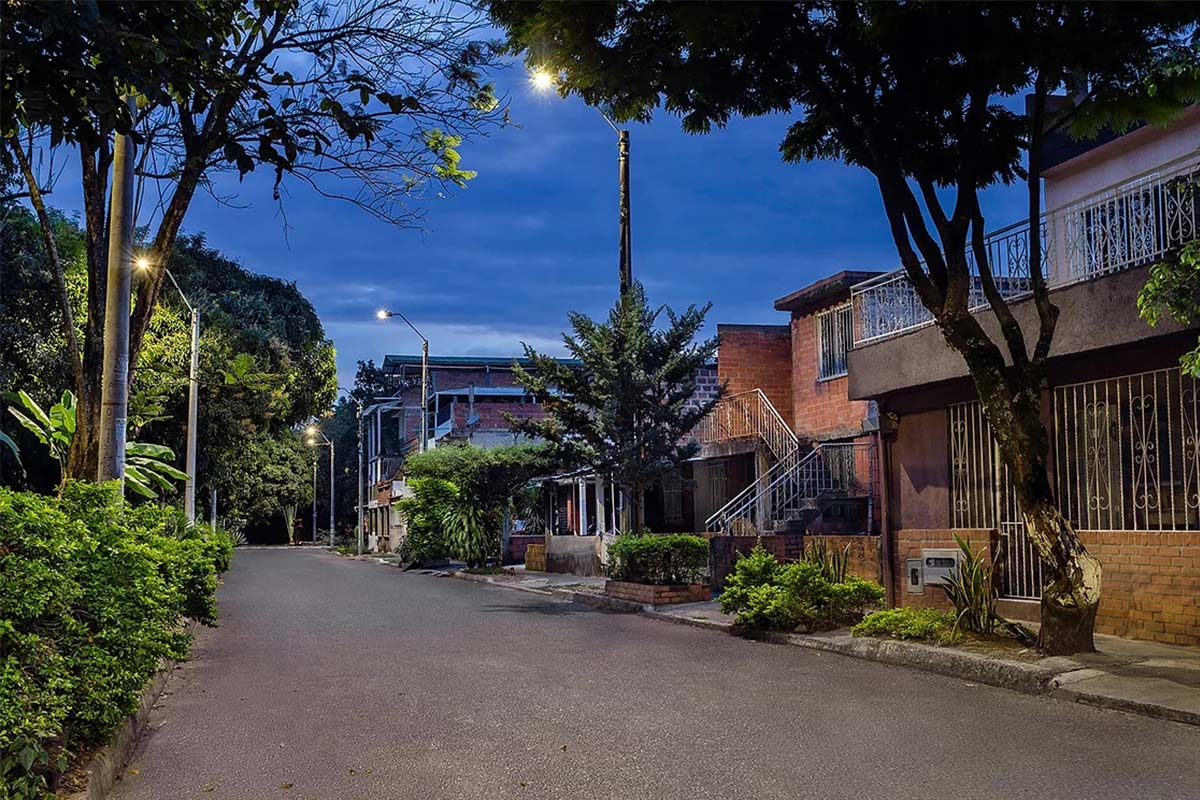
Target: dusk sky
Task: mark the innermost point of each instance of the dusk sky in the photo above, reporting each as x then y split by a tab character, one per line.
715	217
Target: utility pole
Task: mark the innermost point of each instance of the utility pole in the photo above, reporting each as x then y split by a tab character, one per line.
332	540
114	389
626	256
360	476
424	391
189	488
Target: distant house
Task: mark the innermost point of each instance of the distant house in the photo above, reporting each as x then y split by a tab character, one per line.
466	399
1124	423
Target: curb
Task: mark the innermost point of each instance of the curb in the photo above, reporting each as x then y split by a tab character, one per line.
1051	677
107	764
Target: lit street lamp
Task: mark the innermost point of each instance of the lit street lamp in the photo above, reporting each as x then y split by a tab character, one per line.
313	431
384	314
543	81
189	486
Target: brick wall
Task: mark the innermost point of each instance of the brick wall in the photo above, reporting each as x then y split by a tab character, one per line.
518	544
646	593
725	550
758	357
863	556
821	409
1151	584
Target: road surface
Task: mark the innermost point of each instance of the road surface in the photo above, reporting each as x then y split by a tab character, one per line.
340	679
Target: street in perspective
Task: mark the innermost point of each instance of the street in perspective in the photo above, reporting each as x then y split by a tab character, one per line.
337	460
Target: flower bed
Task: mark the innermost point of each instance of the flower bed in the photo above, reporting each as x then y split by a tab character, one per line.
658	594
658	570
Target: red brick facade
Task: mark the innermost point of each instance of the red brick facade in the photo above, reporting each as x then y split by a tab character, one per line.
822	409
758	357
649	594
1151	583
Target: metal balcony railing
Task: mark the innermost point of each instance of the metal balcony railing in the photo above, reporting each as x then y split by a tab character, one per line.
796	485
747	415
1118	228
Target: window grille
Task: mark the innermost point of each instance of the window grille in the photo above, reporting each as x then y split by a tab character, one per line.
672	488
1127	452
833	341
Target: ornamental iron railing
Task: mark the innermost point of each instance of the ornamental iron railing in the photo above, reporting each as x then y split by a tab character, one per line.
796	486
1118	228
747	415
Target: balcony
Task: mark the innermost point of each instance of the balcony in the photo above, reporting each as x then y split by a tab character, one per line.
1119	228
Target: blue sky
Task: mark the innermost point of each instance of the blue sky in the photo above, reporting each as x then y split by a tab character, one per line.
716	217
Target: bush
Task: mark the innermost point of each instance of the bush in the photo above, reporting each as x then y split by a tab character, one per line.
91	599
924	624
766	594
660	560
424	512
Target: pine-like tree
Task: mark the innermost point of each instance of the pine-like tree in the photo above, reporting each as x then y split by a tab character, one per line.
626	409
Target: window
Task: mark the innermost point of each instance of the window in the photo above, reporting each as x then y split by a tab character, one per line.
672	489
833	341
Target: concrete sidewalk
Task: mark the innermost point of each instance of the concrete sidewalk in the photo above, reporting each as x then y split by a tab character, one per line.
1147	678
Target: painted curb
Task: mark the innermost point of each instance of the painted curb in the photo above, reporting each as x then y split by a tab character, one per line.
108	764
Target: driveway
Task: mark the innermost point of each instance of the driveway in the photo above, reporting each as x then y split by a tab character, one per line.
340	679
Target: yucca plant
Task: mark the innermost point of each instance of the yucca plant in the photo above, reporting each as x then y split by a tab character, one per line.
289	522
972	589
834	564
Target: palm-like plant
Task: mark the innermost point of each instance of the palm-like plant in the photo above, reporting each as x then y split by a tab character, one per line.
147	466
466	526
289	522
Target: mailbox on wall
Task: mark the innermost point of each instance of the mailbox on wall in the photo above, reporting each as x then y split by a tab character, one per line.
938	564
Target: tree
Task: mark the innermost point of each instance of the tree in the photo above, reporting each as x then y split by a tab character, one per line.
1173	291
627	408
362	100
871	87
485	483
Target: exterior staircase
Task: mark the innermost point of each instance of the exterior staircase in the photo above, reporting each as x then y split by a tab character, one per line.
748	415
796	489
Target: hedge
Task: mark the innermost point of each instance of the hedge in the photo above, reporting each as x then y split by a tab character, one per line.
658	559
92	597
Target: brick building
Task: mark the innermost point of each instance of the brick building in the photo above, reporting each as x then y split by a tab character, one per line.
466	401
1123	420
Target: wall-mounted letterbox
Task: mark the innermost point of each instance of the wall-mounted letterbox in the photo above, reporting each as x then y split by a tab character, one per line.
938	564
914	576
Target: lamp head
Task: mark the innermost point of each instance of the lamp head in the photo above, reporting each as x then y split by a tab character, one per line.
142	263
382	313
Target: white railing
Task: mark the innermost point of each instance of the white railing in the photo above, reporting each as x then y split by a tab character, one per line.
1019	564
1115	229
796	485
747	415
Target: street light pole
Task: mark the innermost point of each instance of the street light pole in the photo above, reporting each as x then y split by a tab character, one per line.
314	502
544	81
383	313
358	415
189	486
313	431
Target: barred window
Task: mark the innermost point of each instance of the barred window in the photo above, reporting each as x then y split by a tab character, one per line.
833	341
672	489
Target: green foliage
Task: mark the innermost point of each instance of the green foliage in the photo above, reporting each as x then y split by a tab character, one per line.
626	409
147	466
289	522
424	514
1173	290
91	600
768	595
973	591
925	624
663	560
473	537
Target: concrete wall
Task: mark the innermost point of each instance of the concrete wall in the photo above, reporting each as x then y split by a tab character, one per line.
575	555
1097	314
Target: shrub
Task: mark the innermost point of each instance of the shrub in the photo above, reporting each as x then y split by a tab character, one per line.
834	564
924	624
426	539
766	594
660	560
91	599
973	591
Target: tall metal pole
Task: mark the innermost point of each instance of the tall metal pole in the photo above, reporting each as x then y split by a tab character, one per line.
212	516
424	392
332	541
189	487
114	391
314	512
626	257
360	479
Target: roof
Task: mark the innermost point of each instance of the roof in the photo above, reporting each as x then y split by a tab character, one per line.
391	363
487	391
825	291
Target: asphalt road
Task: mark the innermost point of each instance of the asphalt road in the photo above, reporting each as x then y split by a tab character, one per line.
339	679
